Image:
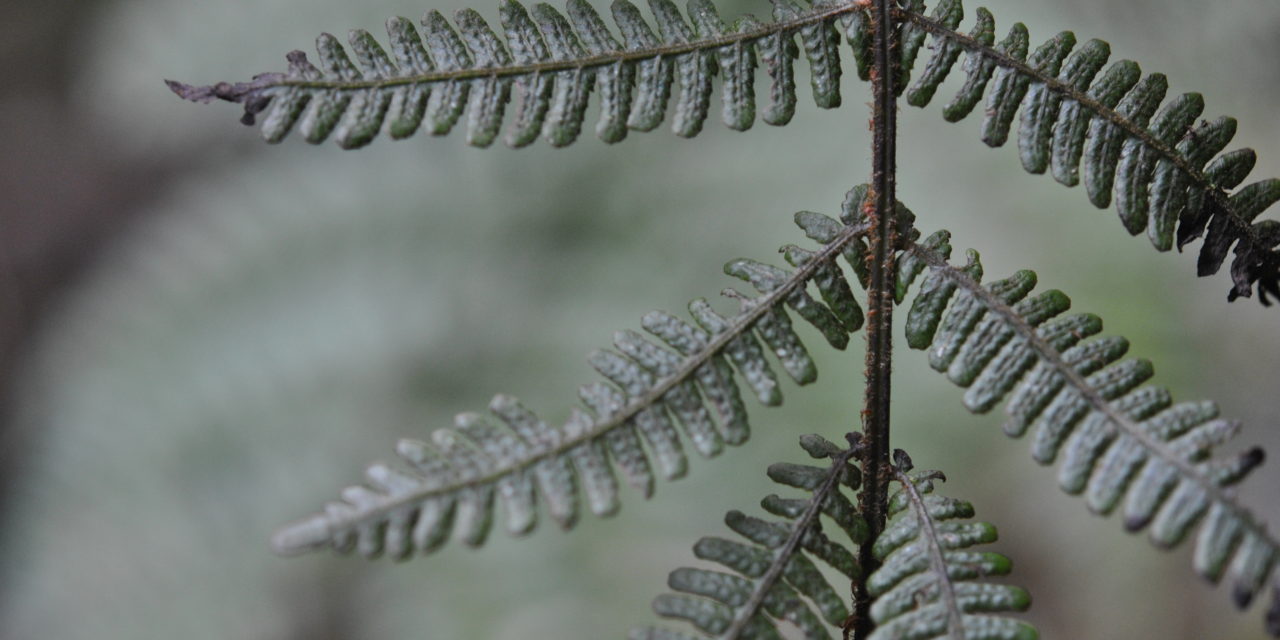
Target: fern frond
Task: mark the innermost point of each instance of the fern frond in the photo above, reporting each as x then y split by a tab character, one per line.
1165	171
455	479
1123	446
929	584
773	573
553	63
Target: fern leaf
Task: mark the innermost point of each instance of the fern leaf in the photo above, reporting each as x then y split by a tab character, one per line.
929	584
773	575
554	63
1165	171
1122	445
682	382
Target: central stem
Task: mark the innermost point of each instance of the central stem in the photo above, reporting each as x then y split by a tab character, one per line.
880	209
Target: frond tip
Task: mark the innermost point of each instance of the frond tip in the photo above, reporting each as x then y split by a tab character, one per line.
683	380
1122	445
773	578
929	584
553	63
1106	128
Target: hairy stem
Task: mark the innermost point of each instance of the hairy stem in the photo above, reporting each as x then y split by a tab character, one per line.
880	209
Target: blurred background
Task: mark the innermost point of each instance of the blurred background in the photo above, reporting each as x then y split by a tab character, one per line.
203	336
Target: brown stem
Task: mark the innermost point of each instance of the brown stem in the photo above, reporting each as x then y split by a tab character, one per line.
880	209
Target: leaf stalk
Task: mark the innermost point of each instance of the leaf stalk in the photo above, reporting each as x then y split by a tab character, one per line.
880	210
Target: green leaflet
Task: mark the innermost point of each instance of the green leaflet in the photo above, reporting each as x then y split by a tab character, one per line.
949	13
1076	123
445	107
772	576
680	388
489	96
1041	115
1007	89
1123	446
819	41
929	584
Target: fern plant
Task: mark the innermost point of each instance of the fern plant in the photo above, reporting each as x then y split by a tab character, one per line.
904	555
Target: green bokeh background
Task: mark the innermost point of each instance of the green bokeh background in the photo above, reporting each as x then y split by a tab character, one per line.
269	319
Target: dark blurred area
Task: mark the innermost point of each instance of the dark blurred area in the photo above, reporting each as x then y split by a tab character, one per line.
203	336
66	194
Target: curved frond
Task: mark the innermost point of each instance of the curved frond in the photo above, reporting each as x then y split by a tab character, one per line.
773	577
1168	174
930	583
1123	446
685	379
553	63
